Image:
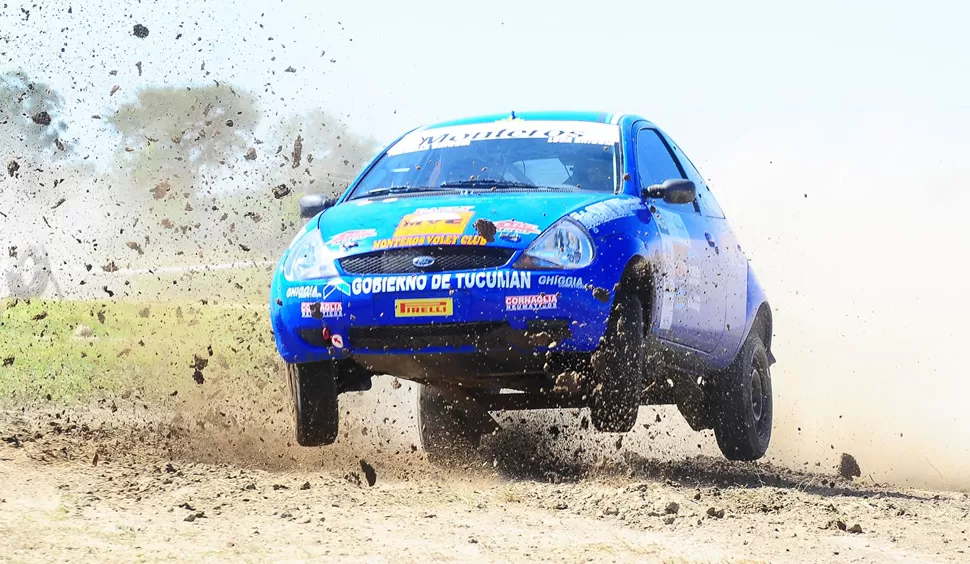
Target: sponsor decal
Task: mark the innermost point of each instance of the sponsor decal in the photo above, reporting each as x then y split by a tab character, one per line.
432	226
337	341
304	292
559	281
444	281
336	284
351	236
513	226
390	284
551	131
604	211
321	309
682	287
512	230
577	138
422	240
423	307
433	222
540	301
497	279
445	209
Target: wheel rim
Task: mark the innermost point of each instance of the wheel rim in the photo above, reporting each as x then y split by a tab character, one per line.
757	395
760	402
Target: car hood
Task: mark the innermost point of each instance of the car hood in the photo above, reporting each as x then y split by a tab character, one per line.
358	226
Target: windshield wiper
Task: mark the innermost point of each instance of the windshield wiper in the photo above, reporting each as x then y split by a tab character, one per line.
397	190
486	183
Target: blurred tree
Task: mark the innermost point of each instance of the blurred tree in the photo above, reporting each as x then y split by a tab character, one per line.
207	186
320	152
33	114
175	135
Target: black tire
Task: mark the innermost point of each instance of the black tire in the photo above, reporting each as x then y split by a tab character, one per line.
445	435
313	394
618	365
743	407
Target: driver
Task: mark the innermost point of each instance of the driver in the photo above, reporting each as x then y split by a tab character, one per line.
592	174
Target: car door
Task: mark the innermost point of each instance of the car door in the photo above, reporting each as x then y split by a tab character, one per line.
690	314
730	275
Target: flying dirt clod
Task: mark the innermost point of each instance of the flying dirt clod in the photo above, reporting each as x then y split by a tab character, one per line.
281	191
297	151
369	473
601	294
848	467
198	364
41	118
486	229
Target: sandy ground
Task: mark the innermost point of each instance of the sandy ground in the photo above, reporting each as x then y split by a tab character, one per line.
130	482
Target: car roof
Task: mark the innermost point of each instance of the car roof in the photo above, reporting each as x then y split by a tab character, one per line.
560	115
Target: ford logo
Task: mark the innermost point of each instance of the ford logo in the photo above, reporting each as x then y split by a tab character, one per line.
422	262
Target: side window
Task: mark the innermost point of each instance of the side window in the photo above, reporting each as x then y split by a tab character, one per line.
654	161
705	198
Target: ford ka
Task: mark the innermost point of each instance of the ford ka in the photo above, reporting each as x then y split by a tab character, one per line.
546	260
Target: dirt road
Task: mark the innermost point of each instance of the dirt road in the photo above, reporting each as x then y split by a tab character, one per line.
123	483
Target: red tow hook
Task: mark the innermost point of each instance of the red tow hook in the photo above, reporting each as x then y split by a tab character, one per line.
326	335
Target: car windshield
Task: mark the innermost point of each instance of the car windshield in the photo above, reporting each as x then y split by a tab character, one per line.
506	155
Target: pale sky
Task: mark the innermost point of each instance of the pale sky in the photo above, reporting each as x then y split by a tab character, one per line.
706	71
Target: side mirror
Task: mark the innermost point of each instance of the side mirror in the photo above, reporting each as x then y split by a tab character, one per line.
673	191
312	204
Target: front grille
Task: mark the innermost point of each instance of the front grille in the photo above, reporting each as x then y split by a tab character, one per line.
398	261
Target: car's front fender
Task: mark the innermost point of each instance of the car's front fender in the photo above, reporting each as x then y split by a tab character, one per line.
616	254
757	307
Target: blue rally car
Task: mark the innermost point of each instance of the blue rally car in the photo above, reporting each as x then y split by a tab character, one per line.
526	261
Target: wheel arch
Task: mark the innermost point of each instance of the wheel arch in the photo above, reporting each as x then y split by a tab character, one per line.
763	320
759	316
639	271
640	276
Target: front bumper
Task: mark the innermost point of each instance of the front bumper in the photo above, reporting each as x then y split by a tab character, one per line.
496	310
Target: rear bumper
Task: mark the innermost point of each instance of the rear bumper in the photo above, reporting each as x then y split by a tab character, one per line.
499	310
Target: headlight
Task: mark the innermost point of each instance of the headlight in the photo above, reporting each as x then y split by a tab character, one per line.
309	259
564	246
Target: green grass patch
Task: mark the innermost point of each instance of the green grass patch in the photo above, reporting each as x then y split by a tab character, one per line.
66	351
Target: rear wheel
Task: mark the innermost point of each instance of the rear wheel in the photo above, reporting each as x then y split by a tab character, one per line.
313	394
618	368
743	405
447	433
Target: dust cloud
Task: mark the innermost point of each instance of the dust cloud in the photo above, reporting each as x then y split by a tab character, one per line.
853	224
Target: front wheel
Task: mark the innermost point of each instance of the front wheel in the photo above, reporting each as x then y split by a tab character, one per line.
743	403
313	394
618	368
